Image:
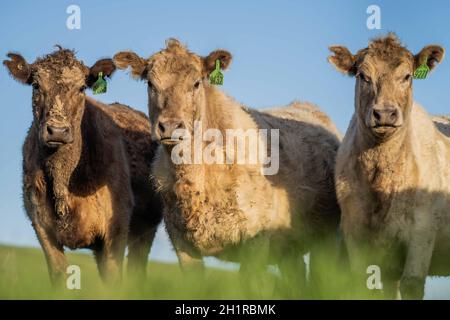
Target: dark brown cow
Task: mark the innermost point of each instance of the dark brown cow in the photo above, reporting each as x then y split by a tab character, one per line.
86	167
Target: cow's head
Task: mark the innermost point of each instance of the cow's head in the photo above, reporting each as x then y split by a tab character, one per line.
59	81
384	75
177	79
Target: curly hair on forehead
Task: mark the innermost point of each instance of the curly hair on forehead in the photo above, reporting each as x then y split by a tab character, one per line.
175	58
58	59
175	46
388	47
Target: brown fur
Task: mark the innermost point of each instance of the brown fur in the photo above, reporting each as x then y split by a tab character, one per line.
230	210
89	191
392	182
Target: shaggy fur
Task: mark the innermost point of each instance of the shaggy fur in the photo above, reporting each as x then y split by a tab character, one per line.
231	210
392	182
90	191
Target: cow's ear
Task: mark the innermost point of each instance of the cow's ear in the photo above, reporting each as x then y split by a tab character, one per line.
126	59
209	62
343	60
18	68
430	55
106	66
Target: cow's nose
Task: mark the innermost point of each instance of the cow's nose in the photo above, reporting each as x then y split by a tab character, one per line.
385	116
58	134
166	127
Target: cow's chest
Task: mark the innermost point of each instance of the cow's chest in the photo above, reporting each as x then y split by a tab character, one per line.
209	226
85	220
385	195
390	217
73	233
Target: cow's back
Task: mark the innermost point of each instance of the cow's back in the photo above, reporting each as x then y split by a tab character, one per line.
443	124
306	113
308	146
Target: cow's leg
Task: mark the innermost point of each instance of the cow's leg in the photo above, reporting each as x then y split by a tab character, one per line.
418	258
110	251
140	239
367	264
54	255
40	210
356	234
109	256
253	270
324	263
293	274
391	270
363	258
359	260
391	287
189	259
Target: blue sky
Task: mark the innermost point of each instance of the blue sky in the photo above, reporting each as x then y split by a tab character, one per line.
279	48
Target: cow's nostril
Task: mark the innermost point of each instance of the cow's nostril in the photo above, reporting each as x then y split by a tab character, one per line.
179	125
161	127
376	115
386	116
58	132
393	115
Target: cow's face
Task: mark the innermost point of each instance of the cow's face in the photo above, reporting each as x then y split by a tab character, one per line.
384	75
176	81
58	81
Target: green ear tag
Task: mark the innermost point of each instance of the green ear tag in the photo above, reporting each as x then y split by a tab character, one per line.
216	77
422	71
99	85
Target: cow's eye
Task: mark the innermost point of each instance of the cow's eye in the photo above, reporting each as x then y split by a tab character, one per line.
82	88
407	77
35	86
150	84
197	84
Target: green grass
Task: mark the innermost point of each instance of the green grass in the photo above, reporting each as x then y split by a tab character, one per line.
23	275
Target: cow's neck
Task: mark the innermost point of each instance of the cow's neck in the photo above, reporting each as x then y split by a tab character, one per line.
62	165
191	180
384	164
59	167
203	192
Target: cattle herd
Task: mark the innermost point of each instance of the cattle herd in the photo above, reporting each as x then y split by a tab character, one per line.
102	176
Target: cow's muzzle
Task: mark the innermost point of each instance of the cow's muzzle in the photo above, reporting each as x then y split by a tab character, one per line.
56	136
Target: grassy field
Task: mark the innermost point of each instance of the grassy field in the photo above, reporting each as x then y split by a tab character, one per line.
23	275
